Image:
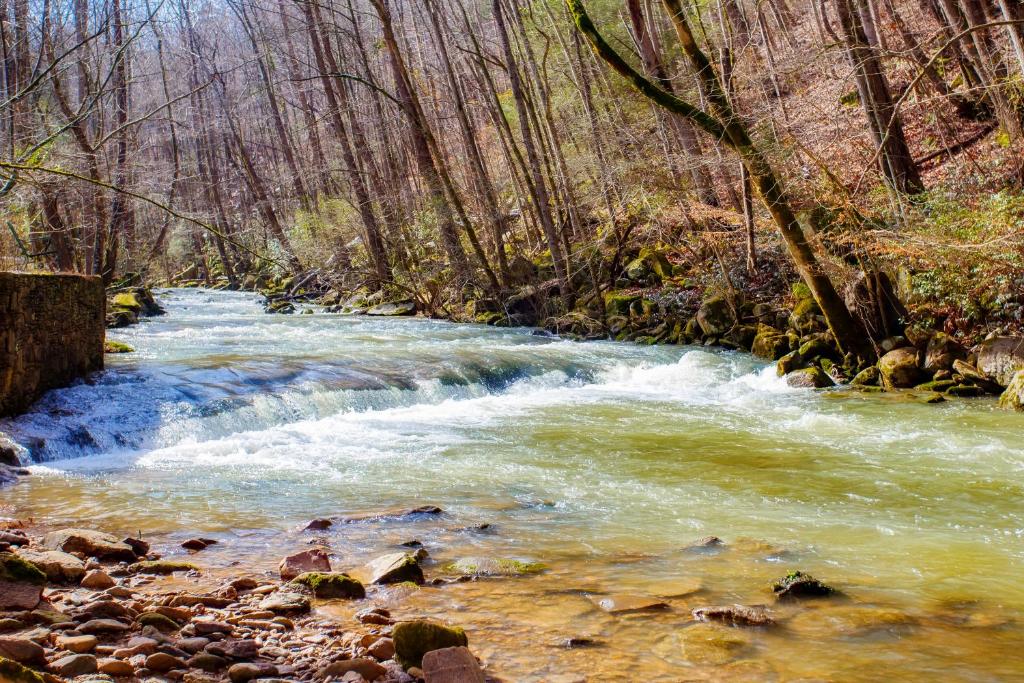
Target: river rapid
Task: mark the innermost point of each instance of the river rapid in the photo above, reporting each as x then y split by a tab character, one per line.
603	461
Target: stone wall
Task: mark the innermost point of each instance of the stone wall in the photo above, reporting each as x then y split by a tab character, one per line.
51	332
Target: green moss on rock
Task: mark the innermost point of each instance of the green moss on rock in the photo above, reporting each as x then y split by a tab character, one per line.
17	570
331	585
111	346
127	301
413	639
158	621
12	672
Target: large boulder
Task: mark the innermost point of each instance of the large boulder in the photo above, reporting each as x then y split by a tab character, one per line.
1013	397
769	343
21	583
807	317
1000	358
89	543
941	352
871	297
715	316
393	308
413	639
899	369
809	378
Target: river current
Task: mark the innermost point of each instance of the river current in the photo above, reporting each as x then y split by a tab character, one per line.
602	461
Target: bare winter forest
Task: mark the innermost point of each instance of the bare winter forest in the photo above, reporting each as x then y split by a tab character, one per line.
450	149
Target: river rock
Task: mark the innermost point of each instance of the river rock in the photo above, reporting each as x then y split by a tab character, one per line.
97	580
208	662
89	543
899	368
382	648
21	650
59	567
285	602
769	343
234	649
715	316
392	568
735	615
74	665
12	672
809	378
312	560
413	639
976	378
331	585
244	672
21	583
999	358
1013	397
623	603
941	351
712	643
77	644
796	585
452	665
490	566
393	308
364	666
161	662
115	667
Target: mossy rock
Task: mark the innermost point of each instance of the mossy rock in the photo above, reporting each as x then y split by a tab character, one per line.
17	570
486	566
715	316
127	301
743	336
618	302
331	585
413	639
12	672
965	391
798	585
868	377
819	348
806	317
1013	397
111	346
769	343
899	368
162	567
809	378
939	385
160	622
801	291
789	362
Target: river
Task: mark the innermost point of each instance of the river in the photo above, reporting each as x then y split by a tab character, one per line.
603	461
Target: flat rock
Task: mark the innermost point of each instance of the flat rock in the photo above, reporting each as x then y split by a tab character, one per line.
285	602
619	604
364	666
452	665
735	615
391	568
394	513
103	626
77	644
712	643
74	665
115	667
90	543
21	650
59	566
19	595
244	672
312	560
161	662
97	580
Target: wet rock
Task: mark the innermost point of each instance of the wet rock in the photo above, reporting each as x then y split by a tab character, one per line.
393	308
161	662
735	615
624	603
77	644
489	566
854	621
244	672
374	615
197	544
160	622
74	665
392	568
715	316
970	374
140	547
452	665
679	588
383	649
899	368
21	650
97	580
312	560
319	525
210	628
21	583
208	662
331	585
12	672
999	358
413	639
96	626
941	351
394	513
136	646
580	642
965	391
364	666
769	343
711	643
285	602
868	377
796	585
89	543
1013	397
59	567
809	378
162	567
789	363
14	538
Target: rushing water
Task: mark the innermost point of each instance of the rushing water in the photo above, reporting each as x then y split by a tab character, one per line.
604	461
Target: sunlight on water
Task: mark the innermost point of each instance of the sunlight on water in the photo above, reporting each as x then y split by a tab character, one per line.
604	461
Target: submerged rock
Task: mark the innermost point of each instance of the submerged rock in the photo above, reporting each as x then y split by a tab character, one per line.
796	585
809	378
162	567
413	639
711	643
392	568
488	566
620	604
735	615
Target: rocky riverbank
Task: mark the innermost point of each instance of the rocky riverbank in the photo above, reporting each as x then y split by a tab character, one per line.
77	604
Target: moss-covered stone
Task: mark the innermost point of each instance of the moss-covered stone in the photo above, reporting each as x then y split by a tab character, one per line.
12	672
486	566
789	362
936	385
899	368
797	585
618	302
965	391
127	301
331	585
158	621
413	639
18	570
868	377
809	378
801	291
806	317
111	346
1013	397
715	316
769	343
162	567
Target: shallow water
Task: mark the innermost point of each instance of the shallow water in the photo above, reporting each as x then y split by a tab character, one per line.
601	460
